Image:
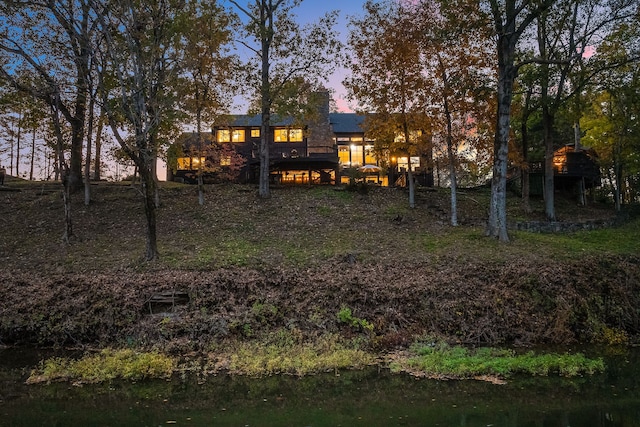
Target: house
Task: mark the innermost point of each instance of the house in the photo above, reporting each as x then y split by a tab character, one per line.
328	149
574	171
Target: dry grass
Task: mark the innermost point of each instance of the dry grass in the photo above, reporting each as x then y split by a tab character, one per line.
297	226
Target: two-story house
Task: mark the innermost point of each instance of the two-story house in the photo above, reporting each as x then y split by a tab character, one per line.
324	150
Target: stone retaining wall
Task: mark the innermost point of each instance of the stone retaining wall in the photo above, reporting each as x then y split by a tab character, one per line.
562	226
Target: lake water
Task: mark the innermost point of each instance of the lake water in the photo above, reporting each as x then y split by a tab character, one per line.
363	398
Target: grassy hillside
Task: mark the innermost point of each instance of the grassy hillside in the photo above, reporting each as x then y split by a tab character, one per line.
296	227
244	267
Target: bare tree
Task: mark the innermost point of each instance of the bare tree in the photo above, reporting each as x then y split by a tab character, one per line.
287	55
52	38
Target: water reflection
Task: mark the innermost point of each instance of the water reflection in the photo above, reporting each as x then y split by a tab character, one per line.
368	398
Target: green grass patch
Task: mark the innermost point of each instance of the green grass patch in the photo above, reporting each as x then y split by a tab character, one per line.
107	365
621	240
441	360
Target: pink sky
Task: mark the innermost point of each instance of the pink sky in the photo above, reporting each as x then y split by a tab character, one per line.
310	11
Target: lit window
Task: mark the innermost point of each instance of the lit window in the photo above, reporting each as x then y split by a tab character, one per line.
224	135
255	133
295	135
184	163
225	161
190	163
287	135
237	135
369	156
402	163
357	154
197	161
343	154
280	135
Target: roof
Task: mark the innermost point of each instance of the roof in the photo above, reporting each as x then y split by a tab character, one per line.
341	122
346	122
244	120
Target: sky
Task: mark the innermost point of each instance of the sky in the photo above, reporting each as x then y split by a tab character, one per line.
310	11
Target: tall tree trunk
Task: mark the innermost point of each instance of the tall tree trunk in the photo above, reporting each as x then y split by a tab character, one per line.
18	137
454	182
497	224
450	151
507	39
617	165
149	194
66	198
33	154
412	186
63	169
524	131
265	126
200	155
547	121
549	188
87	164
97	162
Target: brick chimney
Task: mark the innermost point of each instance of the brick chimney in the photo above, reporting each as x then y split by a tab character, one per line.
320	137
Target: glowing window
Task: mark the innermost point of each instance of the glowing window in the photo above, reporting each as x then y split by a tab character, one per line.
190	163
225	161
280	135
288	135
226	135
357	154
255	133
295	135
369	156
184	163
402	163
343	155
237	135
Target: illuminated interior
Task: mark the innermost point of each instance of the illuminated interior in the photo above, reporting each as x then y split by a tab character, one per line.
287	135
403	164
190	163
301	177
227	135
344	155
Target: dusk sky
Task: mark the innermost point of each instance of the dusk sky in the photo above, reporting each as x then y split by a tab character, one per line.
311	11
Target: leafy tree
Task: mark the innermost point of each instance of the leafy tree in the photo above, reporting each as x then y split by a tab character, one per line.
208	71
455	58
53	40
422	67
510	19
387	79
565	33
290	59
140	40
611	122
